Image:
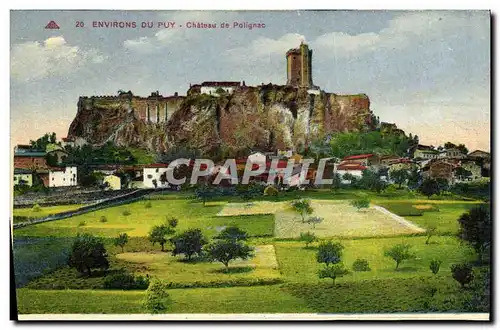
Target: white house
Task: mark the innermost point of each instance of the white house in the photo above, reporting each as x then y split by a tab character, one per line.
353	169
153	176
257	158
63	177
211	87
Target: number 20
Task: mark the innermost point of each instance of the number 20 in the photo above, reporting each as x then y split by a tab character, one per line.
79	24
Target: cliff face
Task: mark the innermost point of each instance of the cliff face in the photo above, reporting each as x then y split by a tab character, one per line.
267	116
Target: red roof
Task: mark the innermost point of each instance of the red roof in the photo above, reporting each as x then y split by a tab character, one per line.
351	167
358	156
156	165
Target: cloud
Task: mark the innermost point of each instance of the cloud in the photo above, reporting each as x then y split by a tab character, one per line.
265	47
33	61
401	31
169	36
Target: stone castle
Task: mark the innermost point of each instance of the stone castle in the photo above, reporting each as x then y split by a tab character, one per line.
157	108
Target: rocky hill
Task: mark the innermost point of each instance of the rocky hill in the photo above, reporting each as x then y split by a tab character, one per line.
267	117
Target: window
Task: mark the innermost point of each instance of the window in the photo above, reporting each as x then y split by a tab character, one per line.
150	176
157	170
52	179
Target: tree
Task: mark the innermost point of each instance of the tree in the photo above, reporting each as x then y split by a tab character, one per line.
205	193
400	253
314	221
42	142
172	222
431	230
88	252
302	207
329	252
233	233
430	187
189	243
308	238
156	297
399	176
475	228
121	240
414	178
226	250
158	234
462	273
434	266
370	180
361	203
333	271
337	181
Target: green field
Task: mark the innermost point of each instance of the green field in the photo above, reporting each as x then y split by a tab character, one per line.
189	213
279	257
44	211
445	219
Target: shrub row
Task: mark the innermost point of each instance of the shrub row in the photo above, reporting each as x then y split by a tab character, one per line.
125	281
223	284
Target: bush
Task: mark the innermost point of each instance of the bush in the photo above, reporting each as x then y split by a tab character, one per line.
361	265
36	208
103	219
126	213
156	297
270	191
361	203
404	210
434	266
308	238
81	223
250	281
125	281
147	205
462	273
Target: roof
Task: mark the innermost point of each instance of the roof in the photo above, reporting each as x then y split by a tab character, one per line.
30	154
351	167
429	151
359	156
479	152
67	139
156	165
221	83
22	171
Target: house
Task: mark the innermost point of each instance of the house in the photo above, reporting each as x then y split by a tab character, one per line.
454	153
353	169
479	154
65	141
113	181
364	160
471	171
426	154
213	87
257	157
441	169
29	159
154	176
63	176
23	177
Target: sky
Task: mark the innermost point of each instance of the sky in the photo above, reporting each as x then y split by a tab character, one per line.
426	71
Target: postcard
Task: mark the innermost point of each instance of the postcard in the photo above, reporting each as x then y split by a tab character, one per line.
250	165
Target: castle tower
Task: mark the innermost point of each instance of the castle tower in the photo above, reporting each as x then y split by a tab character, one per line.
299	66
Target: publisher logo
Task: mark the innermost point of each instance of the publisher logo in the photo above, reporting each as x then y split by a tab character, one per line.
52	26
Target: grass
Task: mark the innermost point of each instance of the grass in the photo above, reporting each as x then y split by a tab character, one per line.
141	220
259	299
172	269
445	219
298	264
34	257
394	295
341	219
44	211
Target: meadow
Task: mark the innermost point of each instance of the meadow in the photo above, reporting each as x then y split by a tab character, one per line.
283	274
